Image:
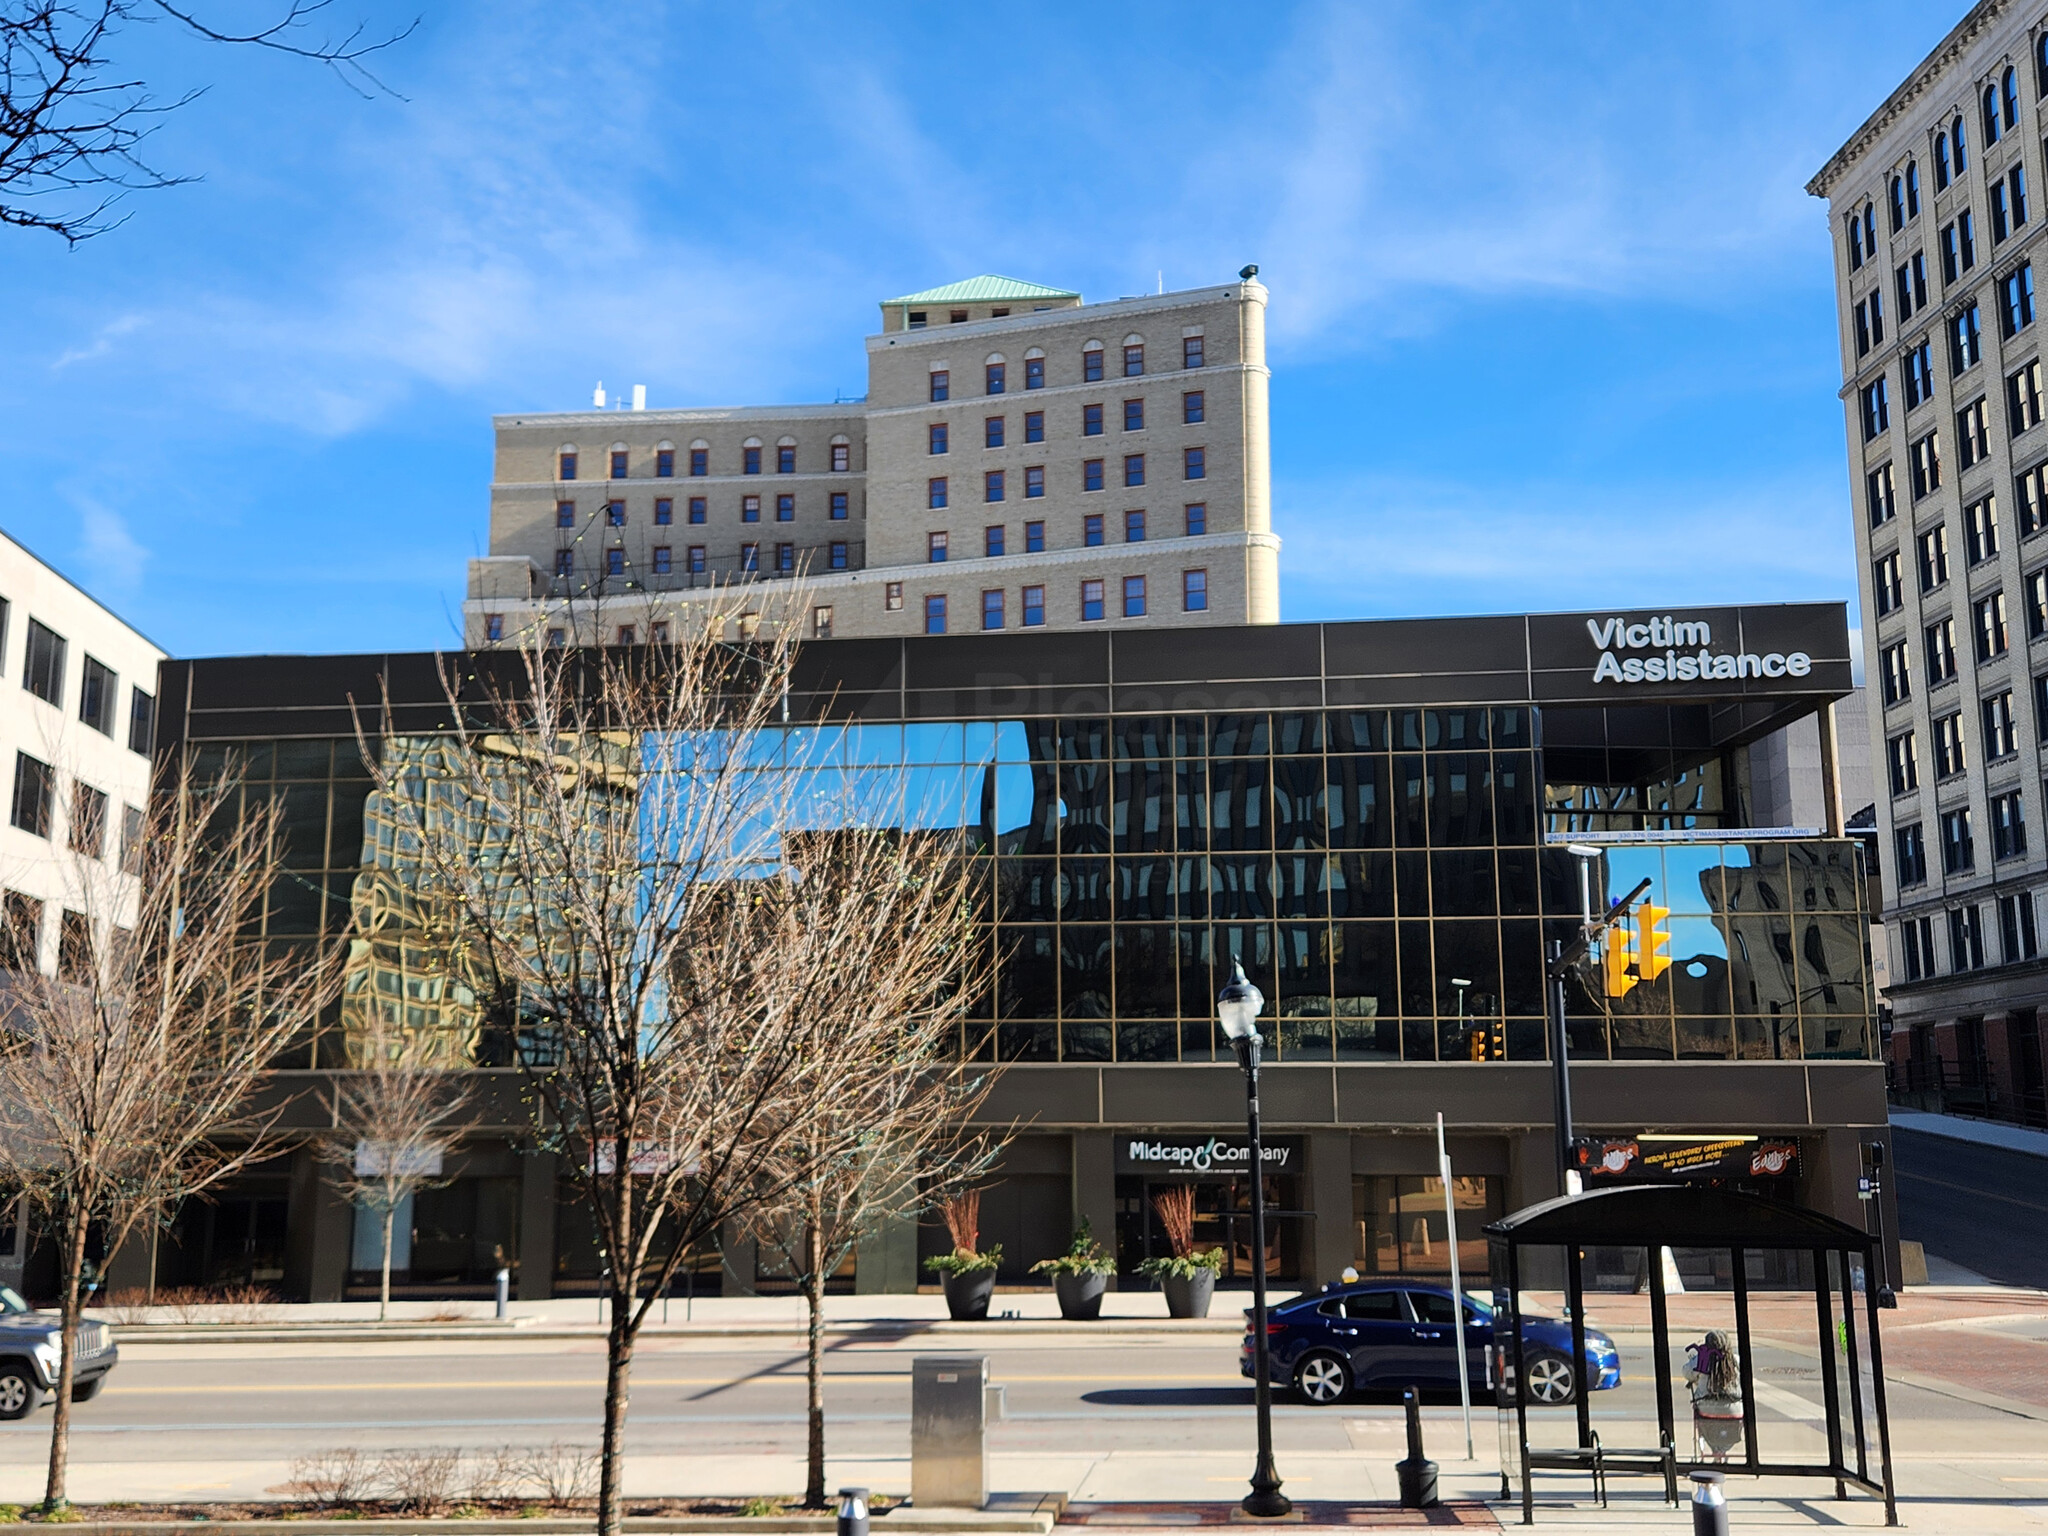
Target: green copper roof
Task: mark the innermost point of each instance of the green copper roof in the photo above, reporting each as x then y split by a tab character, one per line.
984	290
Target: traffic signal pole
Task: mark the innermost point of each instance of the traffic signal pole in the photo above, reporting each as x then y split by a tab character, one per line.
1563	956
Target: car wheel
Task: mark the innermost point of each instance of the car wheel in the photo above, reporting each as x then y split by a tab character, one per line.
19	1394
86	1391
1323	1379
1551	1379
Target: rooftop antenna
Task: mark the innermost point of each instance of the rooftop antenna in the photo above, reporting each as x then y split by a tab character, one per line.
597	395
1162	280
639	397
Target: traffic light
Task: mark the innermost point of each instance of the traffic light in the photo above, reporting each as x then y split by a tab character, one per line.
1617	962
1653	939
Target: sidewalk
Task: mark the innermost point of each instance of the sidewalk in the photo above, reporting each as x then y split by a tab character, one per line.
1985	1133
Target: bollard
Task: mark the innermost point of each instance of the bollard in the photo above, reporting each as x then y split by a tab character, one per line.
1417	1475
853	1512
1709	1509
504	1292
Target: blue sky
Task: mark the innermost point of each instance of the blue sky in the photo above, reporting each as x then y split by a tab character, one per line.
1551	317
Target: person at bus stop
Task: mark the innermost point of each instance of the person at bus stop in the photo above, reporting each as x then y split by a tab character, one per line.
1714	1373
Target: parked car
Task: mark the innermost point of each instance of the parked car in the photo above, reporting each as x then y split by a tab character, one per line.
1387	1335
29	1341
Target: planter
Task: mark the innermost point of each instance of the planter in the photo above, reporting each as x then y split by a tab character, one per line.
967	1295
1080	1296
1189	1297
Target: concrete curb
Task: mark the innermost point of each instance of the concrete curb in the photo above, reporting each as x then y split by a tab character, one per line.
891	1328
931	1522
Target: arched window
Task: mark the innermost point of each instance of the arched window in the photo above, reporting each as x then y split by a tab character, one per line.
1091	362
1898	203
842	454
565	462
2041	66
1959	144
2009	98
1990	115
1855	242
664	460
620	459
1912	189
1870	228
1940	162
785	456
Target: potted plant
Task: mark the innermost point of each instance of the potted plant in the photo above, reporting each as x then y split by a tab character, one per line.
969	1275
1188	1277
1079	1276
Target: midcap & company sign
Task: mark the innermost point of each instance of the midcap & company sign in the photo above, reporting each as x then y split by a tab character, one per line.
1142	1153
1680	651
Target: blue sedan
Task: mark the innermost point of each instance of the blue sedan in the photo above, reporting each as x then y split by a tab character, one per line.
1387	1335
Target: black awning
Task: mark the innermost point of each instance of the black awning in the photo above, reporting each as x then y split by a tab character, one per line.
1675	1215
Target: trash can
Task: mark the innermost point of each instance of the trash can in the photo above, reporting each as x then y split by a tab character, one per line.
949	1431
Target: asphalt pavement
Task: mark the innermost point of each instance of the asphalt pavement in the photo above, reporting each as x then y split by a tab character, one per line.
1983	1207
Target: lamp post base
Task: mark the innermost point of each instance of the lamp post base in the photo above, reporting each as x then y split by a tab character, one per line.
1266	1501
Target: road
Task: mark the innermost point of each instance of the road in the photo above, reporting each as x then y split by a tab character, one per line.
1981	1207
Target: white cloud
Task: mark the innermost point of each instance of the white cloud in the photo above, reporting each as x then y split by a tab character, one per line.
112	553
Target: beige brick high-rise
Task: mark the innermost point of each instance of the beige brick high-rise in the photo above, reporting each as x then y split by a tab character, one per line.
1115	454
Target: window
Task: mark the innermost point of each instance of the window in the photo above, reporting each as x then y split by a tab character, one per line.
2001	730
992	541
565	514
2023	399
1980	529
33	785
1134	415
750	557
1194	591
1973	433
935	614
1091	366
1034	538
1034	373
935	548
697	509
785	558
956	317
615	514
1989	615
1919	374
992	432
935	492
1903	762
664	558
1091	421
1134	359
1091	475
750	460
1869	314
2009	100
565	562
2017	291
494	627
1034	607
1134	527
1091	529
42	664
1965	940
1880	495
1941	652
1959	143
1034	426
1898	202
98	688
1948	747
1192	411
565	466
992	485
914	320
1091	601
821	622
700	461
842	458
941	384
696	559
1923	460
1912	189
994	379
1941	171
626	635
1034	482
664	511
1911	280
1885	585
2008	826
618	464
992	609
837	555
785	459
935	438
557	638
1191	351
21	927
750	509
785	509
2016	934
2030	490
2041	65
1134	597
1877	414
615	562
664	463
839	505
1958	847
1194	464
1951	254
1198	519
1990	115
1933	548
131	840
1916	946
1910	842
74	946
1134	469
88	829
2016	181
1895	673
1855	231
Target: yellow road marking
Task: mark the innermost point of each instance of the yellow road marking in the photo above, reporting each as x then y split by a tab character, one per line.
598	1381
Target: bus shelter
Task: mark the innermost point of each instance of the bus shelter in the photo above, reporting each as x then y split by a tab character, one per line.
1655	1217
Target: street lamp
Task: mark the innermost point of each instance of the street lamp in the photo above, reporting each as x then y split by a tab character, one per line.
1237	1009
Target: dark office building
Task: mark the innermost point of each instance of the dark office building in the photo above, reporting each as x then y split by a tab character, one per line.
1374	818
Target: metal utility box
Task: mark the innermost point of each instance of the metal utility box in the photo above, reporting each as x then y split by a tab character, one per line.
949	1431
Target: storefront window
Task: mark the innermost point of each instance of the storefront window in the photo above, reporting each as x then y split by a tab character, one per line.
1400	1223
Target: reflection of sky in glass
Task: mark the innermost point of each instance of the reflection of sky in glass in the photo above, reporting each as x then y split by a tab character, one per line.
1684	878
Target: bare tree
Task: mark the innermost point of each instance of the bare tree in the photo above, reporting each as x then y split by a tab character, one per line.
679	904
129	1081
396	1115
72	127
